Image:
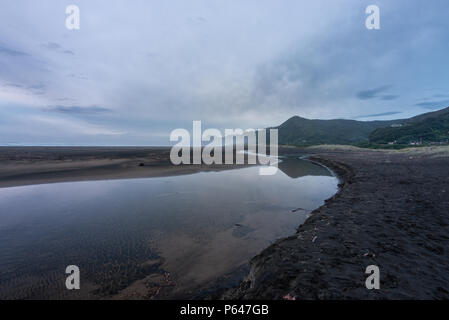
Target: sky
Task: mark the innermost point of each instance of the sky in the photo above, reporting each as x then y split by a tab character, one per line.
136	70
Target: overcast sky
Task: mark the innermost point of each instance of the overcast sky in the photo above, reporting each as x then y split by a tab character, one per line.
136	70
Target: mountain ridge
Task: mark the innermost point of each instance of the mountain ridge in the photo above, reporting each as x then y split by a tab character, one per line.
302	131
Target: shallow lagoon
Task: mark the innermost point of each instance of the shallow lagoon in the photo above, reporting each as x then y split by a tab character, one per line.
146	238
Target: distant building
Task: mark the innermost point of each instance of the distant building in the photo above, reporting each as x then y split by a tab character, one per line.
416	143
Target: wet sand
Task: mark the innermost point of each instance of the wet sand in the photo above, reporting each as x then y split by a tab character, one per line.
392	211
39	165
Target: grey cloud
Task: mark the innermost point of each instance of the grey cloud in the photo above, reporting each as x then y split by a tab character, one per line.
79	110
257	63
196	20
57	47
373	93
433	104
292	79
36	89
36	86
389	97
52	45
321	75
77	76
11	52
390	113
13	85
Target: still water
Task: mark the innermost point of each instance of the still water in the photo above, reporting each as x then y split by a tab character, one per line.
170	237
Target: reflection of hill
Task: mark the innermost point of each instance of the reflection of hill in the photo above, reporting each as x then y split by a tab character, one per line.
296	168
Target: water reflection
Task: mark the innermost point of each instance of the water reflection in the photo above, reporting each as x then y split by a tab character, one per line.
296	168
150	238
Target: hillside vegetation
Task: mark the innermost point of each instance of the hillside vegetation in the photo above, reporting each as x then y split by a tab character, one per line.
424	129
428	128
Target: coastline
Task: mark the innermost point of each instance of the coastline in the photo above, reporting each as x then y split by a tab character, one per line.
390	211
21	166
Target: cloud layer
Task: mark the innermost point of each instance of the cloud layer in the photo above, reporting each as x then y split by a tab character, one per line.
138	69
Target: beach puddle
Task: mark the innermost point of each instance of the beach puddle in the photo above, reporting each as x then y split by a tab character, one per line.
169	237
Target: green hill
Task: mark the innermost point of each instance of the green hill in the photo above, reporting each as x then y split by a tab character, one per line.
301	131
429	128
432	127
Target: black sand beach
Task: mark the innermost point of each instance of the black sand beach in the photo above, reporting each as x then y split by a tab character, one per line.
391	211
